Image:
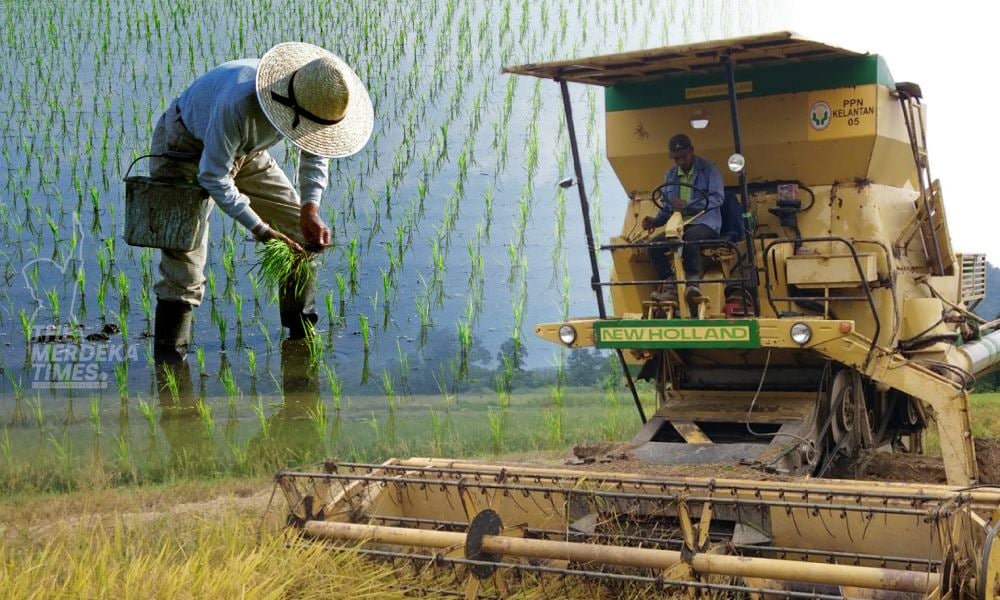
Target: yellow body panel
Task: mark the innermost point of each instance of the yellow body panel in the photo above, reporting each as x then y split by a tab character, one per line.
779	141
835	270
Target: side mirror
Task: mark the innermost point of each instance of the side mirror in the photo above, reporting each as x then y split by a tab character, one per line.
566	183
737	163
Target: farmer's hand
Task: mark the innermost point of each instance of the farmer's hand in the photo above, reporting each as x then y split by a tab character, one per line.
265	233
314	230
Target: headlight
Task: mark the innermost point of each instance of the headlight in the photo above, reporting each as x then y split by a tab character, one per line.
801	333
567	334
699	120
736	162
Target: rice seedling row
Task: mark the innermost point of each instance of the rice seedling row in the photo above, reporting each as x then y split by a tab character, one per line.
454	191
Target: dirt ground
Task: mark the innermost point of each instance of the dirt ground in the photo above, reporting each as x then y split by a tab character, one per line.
32	515
930	469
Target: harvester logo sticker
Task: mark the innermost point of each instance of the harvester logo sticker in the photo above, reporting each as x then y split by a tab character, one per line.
692	333
640	132
819	116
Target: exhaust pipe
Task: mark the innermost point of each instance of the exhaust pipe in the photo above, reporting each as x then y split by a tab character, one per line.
981	355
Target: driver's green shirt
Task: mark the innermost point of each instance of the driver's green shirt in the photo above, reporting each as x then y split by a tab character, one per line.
684	193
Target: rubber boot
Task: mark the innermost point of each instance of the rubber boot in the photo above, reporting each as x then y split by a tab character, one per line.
666	293
171	331
694	299
298	310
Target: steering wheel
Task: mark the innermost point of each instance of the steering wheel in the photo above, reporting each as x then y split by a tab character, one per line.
658	192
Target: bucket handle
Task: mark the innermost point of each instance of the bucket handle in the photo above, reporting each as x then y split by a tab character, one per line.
170	154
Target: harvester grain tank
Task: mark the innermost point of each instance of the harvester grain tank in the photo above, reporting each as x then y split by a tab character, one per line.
833	321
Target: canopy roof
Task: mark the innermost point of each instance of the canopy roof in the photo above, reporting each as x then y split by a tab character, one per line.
702	57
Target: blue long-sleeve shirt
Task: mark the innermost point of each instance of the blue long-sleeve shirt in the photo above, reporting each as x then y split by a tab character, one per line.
707	179
220	109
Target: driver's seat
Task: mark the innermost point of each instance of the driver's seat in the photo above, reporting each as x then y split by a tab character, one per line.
732	218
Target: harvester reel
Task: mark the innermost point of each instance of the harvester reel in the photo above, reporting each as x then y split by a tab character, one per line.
487	522
790	539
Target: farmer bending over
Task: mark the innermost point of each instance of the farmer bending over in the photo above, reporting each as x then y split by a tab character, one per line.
694	187
226	120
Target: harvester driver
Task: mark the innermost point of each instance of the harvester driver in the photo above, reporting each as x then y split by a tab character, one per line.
694	187
221	127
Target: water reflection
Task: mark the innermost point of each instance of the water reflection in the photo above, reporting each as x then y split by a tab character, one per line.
180	414
291	432
294	431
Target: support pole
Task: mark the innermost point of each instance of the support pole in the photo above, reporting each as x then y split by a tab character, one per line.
751	253
595	273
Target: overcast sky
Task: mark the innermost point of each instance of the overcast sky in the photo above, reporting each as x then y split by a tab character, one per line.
950	49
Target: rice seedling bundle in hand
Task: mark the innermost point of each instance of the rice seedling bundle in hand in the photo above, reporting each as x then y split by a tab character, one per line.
279	265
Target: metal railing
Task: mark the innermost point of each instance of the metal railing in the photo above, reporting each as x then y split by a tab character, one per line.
770	262
744	281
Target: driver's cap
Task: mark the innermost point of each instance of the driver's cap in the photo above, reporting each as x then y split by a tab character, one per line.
679	144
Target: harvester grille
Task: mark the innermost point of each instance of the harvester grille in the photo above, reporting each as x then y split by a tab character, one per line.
973	279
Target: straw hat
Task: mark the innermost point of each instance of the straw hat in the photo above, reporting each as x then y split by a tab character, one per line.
314	99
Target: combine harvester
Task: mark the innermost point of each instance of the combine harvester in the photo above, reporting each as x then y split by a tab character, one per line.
833	322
